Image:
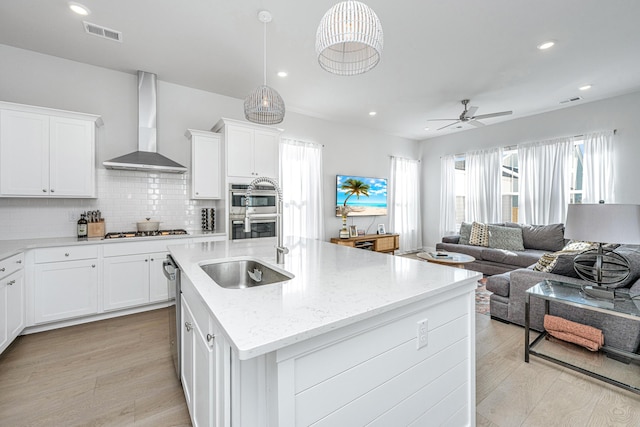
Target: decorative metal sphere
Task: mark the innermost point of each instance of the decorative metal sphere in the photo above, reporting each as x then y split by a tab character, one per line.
349	39
614	268
264	106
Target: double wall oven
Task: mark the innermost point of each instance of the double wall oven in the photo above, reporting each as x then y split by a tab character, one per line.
262	207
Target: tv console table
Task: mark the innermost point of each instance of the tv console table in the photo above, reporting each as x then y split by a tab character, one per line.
373	242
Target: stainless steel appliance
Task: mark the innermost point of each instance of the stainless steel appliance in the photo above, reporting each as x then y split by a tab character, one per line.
171	271
262	207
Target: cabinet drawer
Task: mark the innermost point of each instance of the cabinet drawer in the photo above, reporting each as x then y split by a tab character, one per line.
65	253
385	243
11	264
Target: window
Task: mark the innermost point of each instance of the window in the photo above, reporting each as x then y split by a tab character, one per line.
510	188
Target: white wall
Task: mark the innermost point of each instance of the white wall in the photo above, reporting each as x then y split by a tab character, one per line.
31	78
619	113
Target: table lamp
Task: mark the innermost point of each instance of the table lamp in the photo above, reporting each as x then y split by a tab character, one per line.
602	223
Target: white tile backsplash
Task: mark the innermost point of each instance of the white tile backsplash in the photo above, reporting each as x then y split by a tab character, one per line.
124	198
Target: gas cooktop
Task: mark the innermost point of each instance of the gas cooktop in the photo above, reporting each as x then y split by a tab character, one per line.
127	234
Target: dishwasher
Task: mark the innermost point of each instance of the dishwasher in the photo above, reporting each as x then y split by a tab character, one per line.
171	271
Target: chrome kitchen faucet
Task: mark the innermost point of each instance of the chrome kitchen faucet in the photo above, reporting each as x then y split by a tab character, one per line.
281	250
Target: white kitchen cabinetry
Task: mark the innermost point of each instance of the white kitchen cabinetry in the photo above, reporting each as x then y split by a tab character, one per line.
65	283
206	162
251	150
134	279
199	370
46	152
12	314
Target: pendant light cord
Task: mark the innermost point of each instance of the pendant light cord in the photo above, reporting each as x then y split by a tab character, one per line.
265	53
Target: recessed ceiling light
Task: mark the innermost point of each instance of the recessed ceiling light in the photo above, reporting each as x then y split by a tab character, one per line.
79	8
372	113
282	74
546	45
426	128
585	87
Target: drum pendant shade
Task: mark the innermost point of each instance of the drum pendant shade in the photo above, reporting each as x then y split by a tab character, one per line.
349	39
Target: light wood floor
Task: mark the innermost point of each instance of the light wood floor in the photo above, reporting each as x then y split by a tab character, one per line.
118	372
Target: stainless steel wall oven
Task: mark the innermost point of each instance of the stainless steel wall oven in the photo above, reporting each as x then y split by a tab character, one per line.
262	207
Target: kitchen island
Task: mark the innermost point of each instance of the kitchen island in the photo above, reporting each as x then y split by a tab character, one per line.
355	337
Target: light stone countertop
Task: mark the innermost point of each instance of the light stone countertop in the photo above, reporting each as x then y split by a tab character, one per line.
11	247
334	286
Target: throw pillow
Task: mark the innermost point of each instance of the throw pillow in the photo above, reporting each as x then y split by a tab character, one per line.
543	237
507	238
561	262
479	234
465	233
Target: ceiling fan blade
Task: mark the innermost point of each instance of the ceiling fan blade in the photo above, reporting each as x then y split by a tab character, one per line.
440	120
454	123
476	123
488	116
470	112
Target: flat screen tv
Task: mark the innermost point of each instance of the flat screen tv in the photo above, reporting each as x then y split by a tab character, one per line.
363	195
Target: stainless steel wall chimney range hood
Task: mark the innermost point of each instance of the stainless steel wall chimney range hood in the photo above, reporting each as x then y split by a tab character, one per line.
146	158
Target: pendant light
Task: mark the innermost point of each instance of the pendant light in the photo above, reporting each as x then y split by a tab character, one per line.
264	105
349	39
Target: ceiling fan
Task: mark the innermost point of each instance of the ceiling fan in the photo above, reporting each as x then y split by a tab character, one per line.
467	116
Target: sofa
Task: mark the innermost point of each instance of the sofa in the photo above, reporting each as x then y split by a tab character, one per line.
536	240
507	302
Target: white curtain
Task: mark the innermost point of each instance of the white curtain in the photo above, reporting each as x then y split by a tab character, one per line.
597	174
301	181
404	195
448	195
483	202
545	176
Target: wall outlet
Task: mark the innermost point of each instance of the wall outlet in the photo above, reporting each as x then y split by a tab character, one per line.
73	217
422	333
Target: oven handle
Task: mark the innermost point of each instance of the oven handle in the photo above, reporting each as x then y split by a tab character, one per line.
254	193
261	221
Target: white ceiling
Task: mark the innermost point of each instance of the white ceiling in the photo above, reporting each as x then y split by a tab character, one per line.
436	53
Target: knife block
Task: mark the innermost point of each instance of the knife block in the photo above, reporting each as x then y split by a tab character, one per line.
96	229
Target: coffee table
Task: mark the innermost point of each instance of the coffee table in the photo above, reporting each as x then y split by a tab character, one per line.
452	259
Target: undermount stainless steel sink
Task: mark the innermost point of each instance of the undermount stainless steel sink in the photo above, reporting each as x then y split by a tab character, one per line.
244	273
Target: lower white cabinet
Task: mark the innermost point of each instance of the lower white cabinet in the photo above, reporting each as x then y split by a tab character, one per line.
64	290
131	280
199	378
12	308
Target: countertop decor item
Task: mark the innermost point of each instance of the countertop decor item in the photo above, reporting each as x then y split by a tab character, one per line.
349	39
264	105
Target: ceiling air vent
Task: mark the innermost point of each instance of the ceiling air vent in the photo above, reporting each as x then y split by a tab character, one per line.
105	33
574	99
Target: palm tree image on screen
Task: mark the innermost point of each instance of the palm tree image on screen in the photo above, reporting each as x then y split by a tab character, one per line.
352	187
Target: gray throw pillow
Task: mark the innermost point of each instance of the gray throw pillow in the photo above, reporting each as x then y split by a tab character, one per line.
543	237
507	238
465	233
561	262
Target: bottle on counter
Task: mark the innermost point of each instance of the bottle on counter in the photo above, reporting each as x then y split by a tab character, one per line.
82	227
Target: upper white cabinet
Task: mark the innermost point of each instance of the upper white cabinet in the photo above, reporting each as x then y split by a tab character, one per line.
206	162
251	150
46	152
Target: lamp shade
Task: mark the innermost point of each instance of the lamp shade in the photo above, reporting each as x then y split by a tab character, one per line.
603	223
349	39
265	106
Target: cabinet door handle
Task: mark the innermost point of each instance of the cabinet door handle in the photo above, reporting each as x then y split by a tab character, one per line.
146	260
52	190
93	266
11	282
152	259
18	261
44	190
188	325
66	254
210	337
2	269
